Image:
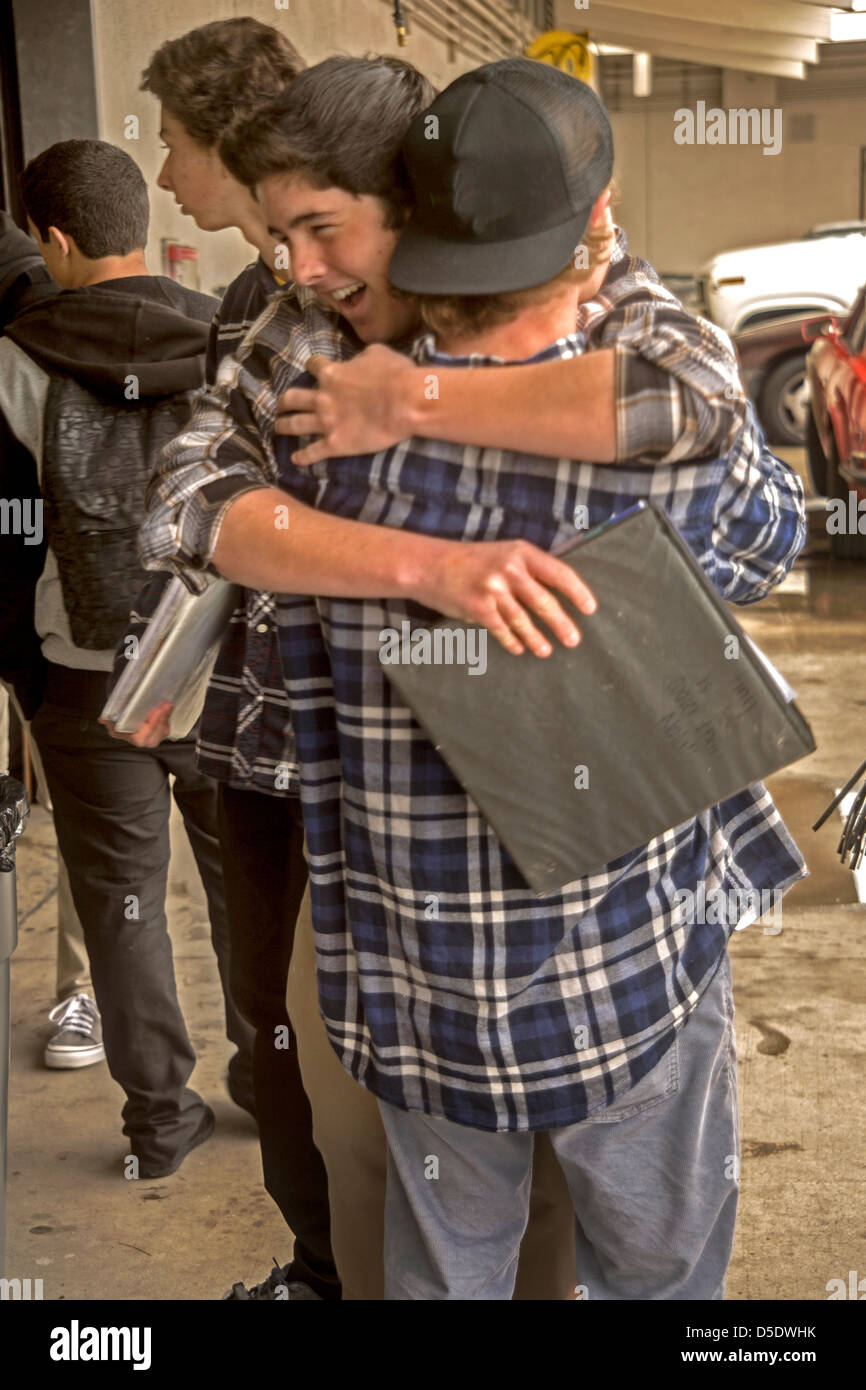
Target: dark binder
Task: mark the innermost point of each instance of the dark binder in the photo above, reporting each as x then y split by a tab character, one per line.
665	708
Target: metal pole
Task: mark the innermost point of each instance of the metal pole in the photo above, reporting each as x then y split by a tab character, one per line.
14	810
8	913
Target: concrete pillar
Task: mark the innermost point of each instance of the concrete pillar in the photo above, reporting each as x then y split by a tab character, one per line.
56	72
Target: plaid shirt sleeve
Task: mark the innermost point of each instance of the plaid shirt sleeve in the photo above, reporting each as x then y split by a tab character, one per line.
227	448
219	456
677	380
759	522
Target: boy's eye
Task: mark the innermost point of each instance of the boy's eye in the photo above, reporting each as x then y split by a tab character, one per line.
323	227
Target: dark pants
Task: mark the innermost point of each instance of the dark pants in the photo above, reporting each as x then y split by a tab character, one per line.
111	812
265	877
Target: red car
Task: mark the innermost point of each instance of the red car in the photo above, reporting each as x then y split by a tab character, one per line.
836	427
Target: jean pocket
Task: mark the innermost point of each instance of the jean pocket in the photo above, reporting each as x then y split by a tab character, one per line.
658	1084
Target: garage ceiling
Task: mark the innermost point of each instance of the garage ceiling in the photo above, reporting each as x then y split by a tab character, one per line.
777	37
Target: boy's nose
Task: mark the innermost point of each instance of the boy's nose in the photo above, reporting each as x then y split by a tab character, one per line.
308	267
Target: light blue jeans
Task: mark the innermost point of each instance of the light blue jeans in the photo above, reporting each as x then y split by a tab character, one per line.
653	1178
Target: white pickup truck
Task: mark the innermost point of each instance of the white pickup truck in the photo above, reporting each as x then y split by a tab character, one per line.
820	273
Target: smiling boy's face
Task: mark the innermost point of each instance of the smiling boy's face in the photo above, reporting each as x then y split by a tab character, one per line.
340	248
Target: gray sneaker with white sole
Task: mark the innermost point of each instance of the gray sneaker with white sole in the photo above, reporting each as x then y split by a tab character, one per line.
78	1040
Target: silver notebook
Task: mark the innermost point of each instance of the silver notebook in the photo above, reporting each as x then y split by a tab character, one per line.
175	658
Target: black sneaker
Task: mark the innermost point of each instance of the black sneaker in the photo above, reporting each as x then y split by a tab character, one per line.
276	1286
241	1091
203	1131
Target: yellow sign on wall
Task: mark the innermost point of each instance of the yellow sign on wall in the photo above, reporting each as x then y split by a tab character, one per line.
564	50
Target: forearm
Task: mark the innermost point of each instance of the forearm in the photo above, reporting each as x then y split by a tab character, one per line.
500	585
656	385
269	540
565	408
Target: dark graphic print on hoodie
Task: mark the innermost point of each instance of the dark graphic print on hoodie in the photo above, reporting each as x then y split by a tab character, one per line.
93	383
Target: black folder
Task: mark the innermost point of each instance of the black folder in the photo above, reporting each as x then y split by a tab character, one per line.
664	709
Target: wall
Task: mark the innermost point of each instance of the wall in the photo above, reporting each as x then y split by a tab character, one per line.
684	203
679	203
126	32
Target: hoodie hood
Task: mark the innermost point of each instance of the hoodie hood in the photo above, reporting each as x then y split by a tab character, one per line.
145	326
24	279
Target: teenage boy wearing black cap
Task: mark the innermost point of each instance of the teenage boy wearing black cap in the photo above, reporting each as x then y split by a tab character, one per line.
466	1030
406	1061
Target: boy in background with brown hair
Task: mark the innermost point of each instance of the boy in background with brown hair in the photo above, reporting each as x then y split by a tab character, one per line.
205	80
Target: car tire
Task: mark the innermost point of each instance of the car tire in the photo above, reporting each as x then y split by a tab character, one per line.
843	547
815	458
784	401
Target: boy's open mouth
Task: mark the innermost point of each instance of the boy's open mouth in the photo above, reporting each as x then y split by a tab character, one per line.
349	296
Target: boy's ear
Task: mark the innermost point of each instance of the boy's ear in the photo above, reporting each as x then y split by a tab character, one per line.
62	243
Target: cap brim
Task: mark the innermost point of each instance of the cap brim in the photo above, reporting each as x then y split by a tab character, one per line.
425	264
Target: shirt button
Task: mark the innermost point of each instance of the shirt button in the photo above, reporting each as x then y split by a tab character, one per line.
262	627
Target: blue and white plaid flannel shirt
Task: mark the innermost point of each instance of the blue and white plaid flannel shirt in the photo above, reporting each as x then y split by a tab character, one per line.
474	1014
498	1009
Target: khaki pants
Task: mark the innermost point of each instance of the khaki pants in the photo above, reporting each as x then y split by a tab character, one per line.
349	1135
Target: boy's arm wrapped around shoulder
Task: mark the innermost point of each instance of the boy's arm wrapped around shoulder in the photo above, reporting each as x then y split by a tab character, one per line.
222	454
227	447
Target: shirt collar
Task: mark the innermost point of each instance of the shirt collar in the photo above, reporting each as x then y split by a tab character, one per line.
424	350
620	250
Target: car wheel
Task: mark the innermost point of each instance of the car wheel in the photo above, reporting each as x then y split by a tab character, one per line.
816	458
843	547
784	407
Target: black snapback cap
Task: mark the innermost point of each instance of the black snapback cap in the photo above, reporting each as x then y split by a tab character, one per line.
505	167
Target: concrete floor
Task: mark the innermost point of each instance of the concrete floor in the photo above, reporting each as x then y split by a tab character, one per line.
72	1218
801	1027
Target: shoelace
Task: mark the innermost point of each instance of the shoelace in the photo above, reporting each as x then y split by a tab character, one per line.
267	1288
277	1276
79	1014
